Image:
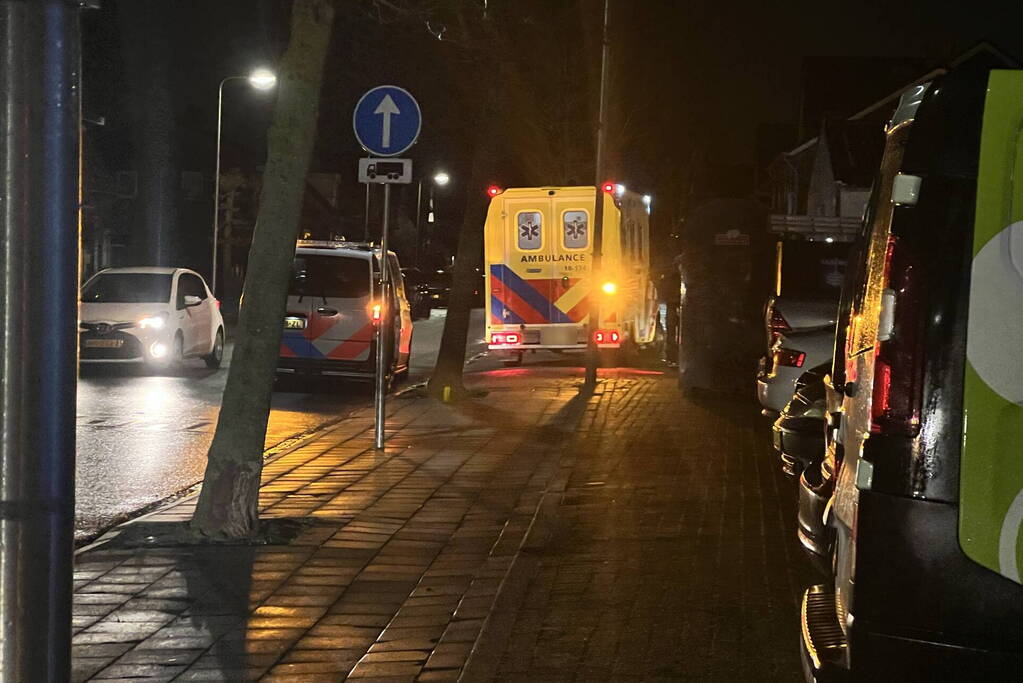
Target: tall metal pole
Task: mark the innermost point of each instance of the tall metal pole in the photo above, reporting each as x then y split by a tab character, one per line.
592	352
419	206
365	226
40	199
383	328
216	188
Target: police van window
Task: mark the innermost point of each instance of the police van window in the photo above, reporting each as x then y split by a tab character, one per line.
529	229
396	277
576	230
334	276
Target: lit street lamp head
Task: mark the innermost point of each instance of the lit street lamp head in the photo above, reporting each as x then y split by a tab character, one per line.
262	79
442	178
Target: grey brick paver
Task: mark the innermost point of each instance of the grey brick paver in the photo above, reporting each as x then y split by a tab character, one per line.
673	546
398	576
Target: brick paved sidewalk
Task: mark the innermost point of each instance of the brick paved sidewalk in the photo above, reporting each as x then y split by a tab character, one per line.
397	558
674	556
391	580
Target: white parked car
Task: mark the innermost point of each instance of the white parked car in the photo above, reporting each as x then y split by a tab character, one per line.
789	357
157	316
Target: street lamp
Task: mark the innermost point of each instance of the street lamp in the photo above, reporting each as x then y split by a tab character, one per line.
440	178
260	79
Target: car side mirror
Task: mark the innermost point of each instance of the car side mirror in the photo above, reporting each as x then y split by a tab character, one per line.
191	300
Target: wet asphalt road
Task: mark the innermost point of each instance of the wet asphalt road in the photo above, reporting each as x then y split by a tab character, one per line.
143	436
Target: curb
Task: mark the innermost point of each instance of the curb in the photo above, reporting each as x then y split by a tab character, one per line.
485	656
292	443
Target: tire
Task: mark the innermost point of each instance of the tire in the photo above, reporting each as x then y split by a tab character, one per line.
216	355
176	359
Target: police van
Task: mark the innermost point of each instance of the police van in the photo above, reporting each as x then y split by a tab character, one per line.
539	251
334	309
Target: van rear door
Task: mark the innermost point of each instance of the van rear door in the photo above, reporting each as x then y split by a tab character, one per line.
526	275
337	290
294	340
572	237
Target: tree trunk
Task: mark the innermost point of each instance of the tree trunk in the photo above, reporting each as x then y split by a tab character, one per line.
451	357
227	506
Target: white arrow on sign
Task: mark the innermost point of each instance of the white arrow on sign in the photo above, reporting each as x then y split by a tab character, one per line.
387	107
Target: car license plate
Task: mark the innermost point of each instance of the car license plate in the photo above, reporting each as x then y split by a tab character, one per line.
104	343
294	323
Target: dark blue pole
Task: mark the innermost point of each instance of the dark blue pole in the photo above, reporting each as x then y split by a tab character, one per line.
39	240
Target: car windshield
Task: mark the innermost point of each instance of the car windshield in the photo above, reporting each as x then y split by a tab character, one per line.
813	270
127	288
334	276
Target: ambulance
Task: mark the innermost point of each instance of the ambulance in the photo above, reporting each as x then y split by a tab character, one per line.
539	267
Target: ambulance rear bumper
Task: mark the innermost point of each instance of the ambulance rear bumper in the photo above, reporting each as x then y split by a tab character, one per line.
536	347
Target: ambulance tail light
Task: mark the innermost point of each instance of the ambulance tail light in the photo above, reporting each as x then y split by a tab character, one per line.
607	337
494	190
898	361
375	313
505	338
608	188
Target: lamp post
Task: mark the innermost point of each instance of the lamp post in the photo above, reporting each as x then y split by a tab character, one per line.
440	178
260	79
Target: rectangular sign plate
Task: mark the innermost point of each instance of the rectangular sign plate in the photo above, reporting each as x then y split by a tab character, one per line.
383	171
294	323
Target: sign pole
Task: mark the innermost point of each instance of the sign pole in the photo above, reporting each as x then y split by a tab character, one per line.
592	352
383	328
386	121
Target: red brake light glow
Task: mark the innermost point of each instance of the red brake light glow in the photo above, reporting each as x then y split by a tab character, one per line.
505	338
789	358
609	188
607	337
494	190
898	361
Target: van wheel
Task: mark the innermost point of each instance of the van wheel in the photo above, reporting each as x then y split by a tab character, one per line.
216	354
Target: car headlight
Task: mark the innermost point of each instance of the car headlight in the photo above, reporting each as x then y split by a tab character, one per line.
155	322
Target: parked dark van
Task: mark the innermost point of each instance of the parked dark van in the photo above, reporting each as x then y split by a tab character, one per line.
928	499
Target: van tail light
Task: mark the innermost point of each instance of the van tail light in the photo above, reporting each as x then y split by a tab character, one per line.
898	359
505	338
778	321
777	324
375	313
607	337
790	358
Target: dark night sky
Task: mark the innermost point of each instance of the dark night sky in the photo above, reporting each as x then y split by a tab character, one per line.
695	76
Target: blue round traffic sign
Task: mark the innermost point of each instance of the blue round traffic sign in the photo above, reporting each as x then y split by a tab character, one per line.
387	120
